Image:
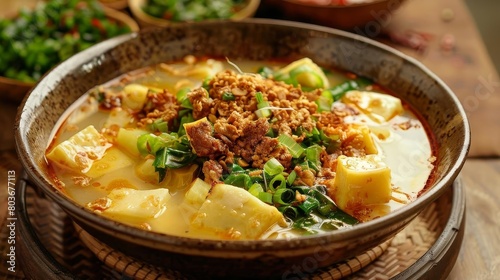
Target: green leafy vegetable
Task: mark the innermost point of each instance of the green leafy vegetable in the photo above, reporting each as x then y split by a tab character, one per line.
192	10
170	151
293	147
38	39
338	91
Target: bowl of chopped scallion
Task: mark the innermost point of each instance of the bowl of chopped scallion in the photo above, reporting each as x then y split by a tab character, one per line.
163	13
37	38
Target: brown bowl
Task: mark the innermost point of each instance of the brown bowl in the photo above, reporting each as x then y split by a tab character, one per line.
348	17
146	20
258	40
115	4
14	90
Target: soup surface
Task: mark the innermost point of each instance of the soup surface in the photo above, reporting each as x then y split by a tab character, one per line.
207	148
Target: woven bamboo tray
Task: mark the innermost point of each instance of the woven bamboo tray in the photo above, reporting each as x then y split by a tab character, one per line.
52	247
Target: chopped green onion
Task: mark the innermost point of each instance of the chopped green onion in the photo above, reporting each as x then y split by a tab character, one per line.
326	209
265	72
277	182
293	147
270	133
313	154
339	91
150	143
343	217
289	211
188	118
308	205
330	224
266	197
172	158
291	177
306	76
273	167
162	172
206	84
255	189
302	189
158	125
228	96
304	223
283	196
309	165
241	180
263	113
186	104
182	94
262	105
325	101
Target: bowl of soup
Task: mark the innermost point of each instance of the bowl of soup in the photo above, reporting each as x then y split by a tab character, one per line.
259	148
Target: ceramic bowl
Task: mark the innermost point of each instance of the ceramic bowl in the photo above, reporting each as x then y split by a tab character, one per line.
115	4
259	40
146	20
14	90
347	17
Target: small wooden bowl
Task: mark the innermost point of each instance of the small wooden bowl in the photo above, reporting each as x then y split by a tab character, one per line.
146	20
14	90
348	17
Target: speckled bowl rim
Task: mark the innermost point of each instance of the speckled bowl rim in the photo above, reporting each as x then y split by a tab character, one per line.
203	247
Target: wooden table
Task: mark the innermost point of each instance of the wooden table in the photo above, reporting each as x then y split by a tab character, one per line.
463	70
479	257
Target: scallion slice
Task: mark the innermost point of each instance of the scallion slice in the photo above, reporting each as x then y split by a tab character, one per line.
241	180
289	211
293	147
273	167
291	177
266	197
255	189
309	205
228	96
277	182
283	196
262	106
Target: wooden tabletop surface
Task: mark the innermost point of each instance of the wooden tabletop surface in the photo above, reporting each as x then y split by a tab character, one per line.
479	256
463	70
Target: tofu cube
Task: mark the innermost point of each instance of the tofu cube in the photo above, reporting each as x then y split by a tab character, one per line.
234	213
378	106
79	152
361	138
361	182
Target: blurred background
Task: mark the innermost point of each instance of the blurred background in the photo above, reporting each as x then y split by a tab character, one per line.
485	13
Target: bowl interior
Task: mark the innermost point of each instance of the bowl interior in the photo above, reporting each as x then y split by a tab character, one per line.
257	40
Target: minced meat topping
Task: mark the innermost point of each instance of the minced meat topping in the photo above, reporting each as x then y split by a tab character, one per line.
232	130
